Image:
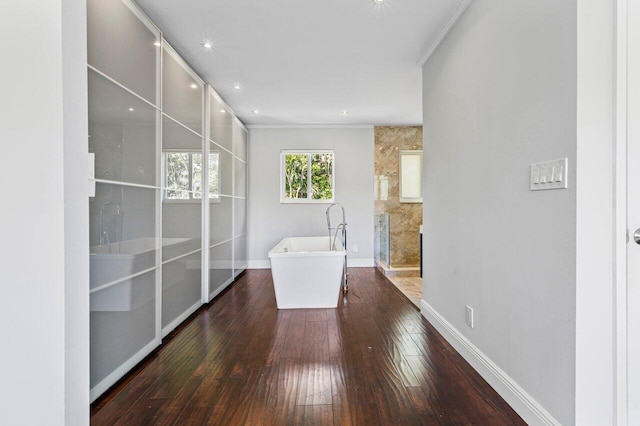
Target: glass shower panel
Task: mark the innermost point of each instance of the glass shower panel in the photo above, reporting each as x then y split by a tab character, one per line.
224	170
220	267
239	141
221	124
123	238
122	319
240	216
220	220
181	288
182	92
240	185
122	45
240	254
122	133
381	239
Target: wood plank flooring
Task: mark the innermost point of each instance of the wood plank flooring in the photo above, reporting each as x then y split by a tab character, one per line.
372	361
411	287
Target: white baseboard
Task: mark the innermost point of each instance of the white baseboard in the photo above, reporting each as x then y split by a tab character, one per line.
351	263
259	264
523	403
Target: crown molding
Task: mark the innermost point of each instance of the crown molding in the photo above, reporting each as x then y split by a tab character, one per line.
444	31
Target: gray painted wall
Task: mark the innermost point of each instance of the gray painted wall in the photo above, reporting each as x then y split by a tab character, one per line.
270	221
500	94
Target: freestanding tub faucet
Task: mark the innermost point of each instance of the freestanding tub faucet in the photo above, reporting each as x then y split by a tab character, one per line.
332	240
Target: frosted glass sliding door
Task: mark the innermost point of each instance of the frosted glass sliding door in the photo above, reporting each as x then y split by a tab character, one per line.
124	45
220	267
220	123
220	195
183	181
125	258
168	211
122	133
240	197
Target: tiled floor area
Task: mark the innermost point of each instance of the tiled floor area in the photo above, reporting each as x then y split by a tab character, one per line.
410	287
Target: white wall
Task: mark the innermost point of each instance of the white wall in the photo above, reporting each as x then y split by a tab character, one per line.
44	309
270	221
500	94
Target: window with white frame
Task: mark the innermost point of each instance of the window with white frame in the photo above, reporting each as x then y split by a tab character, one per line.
307	176
183	171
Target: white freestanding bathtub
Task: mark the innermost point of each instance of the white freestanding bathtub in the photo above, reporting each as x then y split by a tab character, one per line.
306	273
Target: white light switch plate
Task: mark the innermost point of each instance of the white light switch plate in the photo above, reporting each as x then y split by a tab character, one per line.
549	175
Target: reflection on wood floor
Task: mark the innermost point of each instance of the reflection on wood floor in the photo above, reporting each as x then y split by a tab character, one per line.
373	360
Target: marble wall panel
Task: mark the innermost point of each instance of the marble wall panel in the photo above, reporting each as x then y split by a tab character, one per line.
405	218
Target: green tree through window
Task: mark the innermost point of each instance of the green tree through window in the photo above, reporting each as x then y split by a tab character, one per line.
322	176
307	177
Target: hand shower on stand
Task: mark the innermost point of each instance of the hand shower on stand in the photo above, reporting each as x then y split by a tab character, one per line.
332	240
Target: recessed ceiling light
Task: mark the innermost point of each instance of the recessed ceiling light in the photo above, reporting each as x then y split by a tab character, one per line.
345	112
193	86
237	86
156	43
131	109
378	1
223	111
255	111
207	45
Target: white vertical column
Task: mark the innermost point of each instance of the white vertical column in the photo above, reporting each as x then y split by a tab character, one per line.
76	212
43	128
594	364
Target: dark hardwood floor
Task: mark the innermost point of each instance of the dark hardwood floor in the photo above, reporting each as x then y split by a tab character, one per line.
373	360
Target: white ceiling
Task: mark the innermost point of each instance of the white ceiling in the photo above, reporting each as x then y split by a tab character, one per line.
303	61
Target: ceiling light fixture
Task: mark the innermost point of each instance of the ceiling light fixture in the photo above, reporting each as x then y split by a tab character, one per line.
237	86
193	86
223	111
156	43
379	1
345	112
255	111
131	109
207	45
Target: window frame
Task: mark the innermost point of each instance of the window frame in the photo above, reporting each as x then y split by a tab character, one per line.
308	153
192	199
406	153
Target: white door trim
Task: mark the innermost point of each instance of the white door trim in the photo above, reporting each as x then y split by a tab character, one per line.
620	219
